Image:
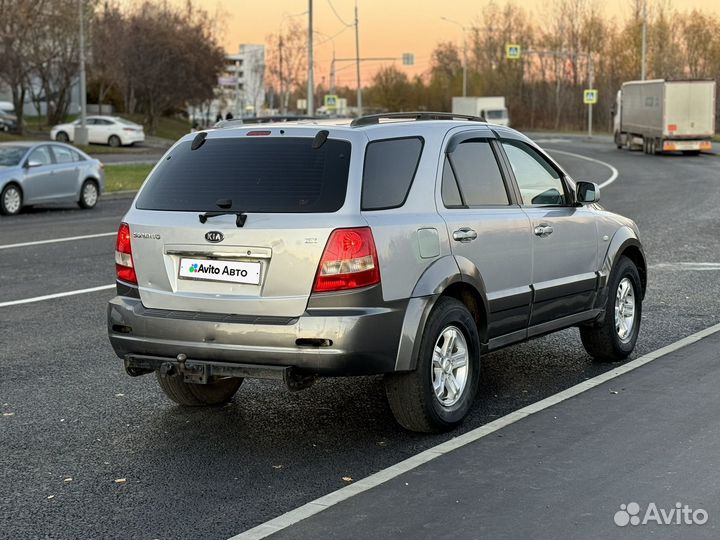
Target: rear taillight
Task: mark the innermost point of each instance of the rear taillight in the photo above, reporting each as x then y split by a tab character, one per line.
124	269
349	261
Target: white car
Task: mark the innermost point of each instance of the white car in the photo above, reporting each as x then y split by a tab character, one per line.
111	130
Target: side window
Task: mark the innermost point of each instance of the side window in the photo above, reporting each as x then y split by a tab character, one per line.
41	155
390	167
539	182
474	170
63	155
450	192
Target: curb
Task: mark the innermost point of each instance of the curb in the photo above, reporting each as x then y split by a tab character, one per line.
124	194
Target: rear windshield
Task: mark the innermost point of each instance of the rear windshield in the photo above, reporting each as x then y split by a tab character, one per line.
257	174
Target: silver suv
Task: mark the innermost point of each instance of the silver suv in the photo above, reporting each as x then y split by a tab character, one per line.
404	244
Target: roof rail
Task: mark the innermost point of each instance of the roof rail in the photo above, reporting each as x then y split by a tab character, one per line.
420	115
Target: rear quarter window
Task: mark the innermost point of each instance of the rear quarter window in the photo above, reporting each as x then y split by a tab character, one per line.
258	174
390	167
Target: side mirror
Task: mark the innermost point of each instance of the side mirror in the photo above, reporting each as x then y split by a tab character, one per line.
32	163
587	192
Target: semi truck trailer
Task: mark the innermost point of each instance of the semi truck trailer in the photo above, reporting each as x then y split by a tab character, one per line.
665	116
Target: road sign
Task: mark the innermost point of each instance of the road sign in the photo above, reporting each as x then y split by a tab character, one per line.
512	51
330	101
590	96
408	59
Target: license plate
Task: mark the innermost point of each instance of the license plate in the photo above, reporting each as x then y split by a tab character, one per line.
213	270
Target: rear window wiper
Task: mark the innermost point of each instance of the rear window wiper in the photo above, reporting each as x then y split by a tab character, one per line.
239	220
226	204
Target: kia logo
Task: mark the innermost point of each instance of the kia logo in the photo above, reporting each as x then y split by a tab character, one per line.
214	236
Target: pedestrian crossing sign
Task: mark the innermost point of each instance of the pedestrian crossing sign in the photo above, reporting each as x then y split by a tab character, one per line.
512	51
590	97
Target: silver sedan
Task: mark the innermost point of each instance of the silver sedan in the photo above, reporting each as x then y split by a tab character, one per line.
39	172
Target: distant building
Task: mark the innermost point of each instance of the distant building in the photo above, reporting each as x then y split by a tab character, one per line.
241	86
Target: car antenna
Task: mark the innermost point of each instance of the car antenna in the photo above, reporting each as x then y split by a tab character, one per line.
320	138
199	140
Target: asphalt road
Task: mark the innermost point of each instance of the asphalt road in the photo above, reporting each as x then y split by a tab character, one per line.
70	412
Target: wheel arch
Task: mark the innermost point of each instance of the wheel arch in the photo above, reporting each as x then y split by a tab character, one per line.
444	277
626	243
16	183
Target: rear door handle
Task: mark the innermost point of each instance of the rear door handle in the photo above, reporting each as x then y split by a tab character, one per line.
543	230
466	234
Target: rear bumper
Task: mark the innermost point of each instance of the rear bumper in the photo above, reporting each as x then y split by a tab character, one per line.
132	138
350	340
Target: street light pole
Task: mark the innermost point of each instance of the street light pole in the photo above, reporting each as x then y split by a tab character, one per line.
357	61
81	135
644	41
591	76
311	82
464	31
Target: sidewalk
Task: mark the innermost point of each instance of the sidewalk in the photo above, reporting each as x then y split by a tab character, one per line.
651	435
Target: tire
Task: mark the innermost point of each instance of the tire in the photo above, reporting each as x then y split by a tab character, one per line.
628	142
607	341
89	194
412	396
11	200
62	137
618	140
114	141
198	395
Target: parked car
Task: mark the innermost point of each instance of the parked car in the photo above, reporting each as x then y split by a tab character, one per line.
41	172
111	130
405	248
8	122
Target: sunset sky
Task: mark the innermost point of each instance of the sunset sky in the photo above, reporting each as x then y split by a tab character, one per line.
388	28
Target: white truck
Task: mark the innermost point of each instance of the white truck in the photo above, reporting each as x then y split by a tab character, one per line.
493	109
665	116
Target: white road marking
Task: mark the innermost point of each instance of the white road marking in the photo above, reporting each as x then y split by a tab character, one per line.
699	266
331	499
550	141
613	170
56	295
55	240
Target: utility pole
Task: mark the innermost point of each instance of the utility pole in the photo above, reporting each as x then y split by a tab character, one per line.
81	135
357	61
311	82
644	41
332	73
591	76
283	110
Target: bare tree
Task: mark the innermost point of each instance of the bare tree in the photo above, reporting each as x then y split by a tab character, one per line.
17	19
287	61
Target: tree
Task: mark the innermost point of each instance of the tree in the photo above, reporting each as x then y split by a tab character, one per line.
391	90
106	66
171	58
17	19
287	61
